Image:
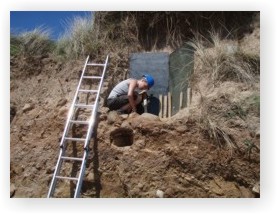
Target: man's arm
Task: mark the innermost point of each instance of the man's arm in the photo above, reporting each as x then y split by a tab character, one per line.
131	88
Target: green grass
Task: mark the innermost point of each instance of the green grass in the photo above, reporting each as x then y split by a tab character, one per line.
250	146
14	50
36	42
79	40
253	103
15	45
236	110
32	43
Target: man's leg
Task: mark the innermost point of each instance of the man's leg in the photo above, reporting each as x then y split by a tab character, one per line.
138	100
117	103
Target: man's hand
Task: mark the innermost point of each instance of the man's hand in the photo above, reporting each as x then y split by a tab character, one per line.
144	94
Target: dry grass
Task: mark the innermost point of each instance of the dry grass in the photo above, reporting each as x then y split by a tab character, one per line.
212	121
218	61
79	40
227	112
219	135
224	61
156	30
32	43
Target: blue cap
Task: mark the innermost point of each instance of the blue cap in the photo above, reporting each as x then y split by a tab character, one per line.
149	80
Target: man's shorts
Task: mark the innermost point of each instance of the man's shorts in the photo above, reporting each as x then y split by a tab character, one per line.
118	102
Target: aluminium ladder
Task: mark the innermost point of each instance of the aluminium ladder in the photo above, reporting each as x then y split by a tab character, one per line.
89	122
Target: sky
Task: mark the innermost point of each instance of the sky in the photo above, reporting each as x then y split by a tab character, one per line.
21	21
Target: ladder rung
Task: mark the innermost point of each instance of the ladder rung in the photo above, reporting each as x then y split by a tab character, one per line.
71	158
88	91
75	139
92	77
84	106
69	178
79	122
95	64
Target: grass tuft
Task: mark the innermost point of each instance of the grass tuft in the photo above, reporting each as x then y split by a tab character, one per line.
79	40
36	42
223	60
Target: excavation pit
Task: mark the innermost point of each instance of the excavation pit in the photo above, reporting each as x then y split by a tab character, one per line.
121	137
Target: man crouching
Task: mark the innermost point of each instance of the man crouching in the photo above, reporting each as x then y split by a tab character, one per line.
125	97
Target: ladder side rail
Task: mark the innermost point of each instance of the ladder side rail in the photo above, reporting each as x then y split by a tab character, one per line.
81	175
93	116
73	103
57	170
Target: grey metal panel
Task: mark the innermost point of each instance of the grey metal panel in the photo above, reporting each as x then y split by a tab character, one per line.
181	66
157	65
